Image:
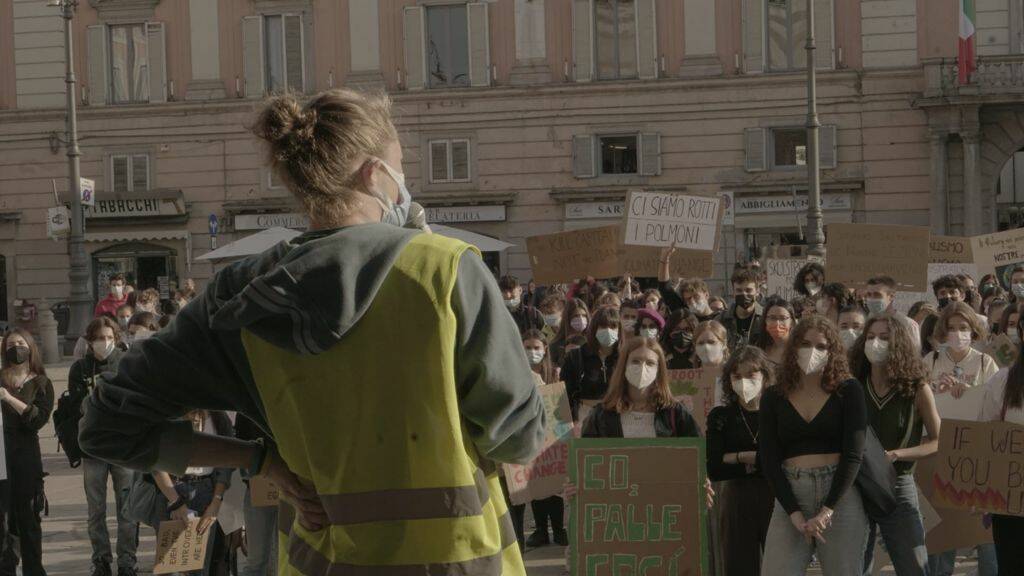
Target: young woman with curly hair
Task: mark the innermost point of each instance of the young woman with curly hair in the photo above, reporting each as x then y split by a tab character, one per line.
900	407
811	433
745	506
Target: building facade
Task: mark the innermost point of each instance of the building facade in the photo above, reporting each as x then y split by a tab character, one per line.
517	118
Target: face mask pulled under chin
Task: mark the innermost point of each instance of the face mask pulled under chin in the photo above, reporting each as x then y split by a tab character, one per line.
393	214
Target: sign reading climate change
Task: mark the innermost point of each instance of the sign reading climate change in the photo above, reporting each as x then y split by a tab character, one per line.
639	507
664	219
546	475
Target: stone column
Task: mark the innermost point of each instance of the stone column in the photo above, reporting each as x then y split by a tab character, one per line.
973	205
701	58
204	44
364	45
940	183
531	44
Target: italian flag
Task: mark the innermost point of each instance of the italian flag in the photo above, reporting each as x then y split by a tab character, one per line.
966	53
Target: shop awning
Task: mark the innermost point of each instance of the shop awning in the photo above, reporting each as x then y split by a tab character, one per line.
484	243
136	235
250	245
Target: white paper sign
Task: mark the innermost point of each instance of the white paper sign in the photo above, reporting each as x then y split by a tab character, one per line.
88	191
967	407
58	222
665	219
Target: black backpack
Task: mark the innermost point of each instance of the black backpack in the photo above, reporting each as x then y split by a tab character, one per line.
65	422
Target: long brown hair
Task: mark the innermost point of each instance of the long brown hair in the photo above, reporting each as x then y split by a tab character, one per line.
746	355
978	329
603	318
571	307
658	393
1013	394
836	371
906	371
35	359
545	369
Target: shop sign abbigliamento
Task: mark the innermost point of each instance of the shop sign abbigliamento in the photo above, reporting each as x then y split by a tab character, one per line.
787	203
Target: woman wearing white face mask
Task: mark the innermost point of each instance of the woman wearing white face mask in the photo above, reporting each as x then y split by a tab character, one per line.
958	366
587	370
900	407
812	439
851	324
142	326
575	321
809	279
1008	322
649	324
747	499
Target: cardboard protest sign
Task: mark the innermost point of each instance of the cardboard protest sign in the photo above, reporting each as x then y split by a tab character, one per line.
666	219
639	507
857	252
998	254
696	390
950	250
781	273
180	547
645	262
954	528
263	492
966	407
979	466
566	256
1002	350
546	475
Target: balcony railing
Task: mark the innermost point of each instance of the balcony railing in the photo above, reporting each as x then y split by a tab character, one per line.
994	76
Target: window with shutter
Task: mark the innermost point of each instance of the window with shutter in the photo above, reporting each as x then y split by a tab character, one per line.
478	44
120	173
140	172
283	54
413	40
449	161
829	144
460	160
439	161
447	46
615	31
253	56
583	157
753	35
619	154
786	34
583	40
129	64
755	146
99	64
650	154
157	62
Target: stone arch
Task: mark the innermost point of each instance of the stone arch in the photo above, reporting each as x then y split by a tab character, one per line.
1002	135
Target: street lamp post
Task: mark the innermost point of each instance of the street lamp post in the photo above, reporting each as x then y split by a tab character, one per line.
815	234
80	301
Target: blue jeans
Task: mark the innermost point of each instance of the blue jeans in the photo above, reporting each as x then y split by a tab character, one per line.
943	564
903	533
261	532
788	553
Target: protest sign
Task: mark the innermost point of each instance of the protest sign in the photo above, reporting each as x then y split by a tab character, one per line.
979	466
780	274
666	219
645	262
546	475
966	407
998	254
566	256
586	407
950	250
695	388
180	547
947	529
857	252
263	492
639	507
1002	350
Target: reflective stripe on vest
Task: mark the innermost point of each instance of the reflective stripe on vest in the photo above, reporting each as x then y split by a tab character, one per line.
373	423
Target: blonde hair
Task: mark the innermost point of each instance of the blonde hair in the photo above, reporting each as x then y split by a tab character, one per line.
716	329
978	329
318	149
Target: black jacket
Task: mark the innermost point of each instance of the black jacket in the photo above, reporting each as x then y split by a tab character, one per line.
729	320
527	317
586	376
83	373
673	422
21	436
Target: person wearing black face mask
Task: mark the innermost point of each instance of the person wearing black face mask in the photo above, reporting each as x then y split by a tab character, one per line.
743	321
679	339
26	398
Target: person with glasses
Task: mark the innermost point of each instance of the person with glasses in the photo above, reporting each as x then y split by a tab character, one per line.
779	320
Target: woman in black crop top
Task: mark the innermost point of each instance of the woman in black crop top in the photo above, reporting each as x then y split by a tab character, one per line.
812	431
745	506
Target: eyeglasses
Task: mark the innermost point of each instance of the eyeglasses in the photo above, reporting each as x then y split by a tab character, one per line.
778	319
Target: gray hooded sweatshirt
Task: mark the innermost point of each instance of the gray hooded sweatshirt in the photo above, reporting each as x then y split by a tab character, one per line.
305	295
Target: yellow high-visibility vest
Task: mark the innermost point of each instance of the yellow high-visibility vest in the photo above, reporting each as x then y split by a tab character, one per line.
374	423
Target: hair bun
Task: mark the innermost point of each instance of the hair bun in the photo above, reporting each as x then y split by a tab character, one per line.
286	126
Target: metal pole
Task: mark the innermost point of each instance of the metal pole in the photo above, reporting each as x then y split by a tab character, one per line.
815	234
80	301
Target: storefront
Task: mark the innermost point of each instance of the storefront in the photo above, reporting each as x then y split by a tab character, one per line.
143	237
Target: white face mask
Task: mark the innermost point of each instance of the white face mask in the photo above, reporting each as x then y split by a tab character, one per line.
876	305
513	303
649	333
811	360
959	341
101	349
748	388
640	376
710	353
117	291
1018	290
391	213
553	320
848	337
579	323
1013	334
876	350
812	289
535	356
607	337
700	306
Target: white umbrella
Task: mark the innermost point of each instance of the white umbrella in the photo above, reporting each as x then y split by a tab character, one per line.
255	244
484	243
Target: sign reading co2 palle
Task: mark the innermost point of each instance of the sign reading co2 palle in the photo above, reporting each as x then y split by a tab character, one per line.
639	507
667	219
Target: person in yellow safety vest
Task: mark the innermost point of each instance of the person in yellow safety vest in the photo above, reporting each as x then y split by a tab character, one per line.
381	360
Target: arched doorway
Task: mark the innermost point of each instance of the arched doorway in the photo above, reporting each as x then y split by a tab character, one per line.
143	266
